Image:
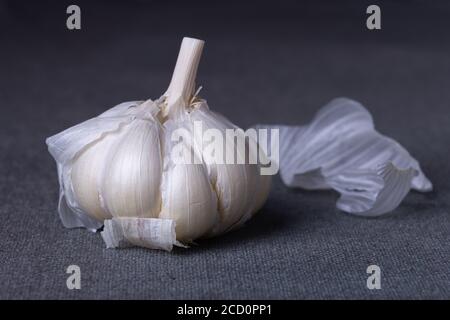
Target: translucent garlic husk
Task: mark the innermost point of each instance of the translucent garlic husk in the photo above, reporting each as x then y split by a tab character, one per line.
340	149
116	169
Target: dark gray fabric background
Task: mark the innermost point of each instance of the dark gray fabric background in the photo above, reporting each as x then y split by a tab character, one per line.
263	63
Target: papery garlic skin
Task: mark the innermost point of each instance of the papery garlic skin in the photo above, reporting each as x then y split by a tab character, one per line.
117	169
341	150
149	233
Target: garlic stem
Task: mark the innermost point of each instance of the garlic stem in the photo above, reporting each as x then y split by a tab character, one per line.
182	85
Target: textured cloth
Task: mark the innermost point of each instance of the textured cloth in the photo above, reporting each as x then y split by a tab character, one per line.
261	64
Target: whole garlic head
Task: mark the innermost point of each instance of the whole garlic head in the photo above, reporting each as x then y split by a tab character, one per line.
118	169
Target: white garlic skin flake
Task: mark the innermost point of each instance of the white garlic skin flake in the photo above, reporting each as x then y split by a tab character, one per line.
341	149
117	167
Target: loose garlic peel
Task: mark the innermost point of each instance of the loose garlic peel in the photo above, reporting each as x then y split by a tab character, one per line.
341	150
116	170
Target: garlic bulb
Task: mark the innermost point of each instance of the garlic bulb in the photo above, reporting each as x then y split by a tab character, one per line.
118	169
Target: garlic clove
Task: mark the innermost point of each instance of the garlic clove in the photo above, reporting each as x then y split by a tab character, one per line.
261	187
189	200
87	171
66	146
187	195
70	213
240	188
86	176
341	149
260	182
132	175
